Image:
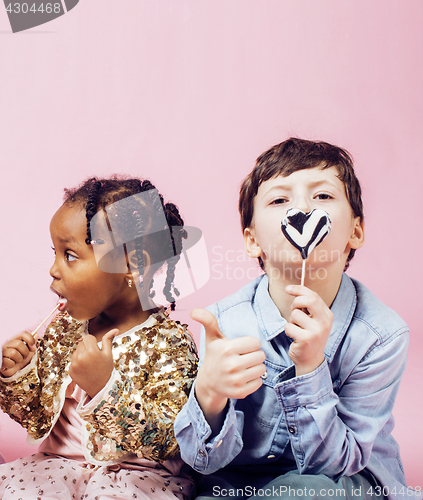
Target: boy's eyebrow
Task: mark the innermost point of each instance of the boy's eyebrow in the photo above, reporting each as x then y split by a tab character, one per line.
323	181
311	185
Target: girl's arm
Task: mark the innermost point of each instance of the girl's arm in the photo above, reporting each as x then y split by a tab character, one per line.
150	384
17	353
19	382
32	395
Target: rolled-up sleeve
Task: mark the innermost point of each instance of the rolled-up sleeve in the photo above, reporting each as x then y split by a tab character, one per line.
334	434
193	432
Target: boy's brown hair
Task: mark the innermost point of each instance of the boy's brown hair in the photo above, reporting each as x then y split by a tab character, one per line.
298	154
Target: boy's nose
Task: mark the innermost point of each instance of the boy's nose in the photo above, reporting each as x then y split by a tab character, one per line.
304	206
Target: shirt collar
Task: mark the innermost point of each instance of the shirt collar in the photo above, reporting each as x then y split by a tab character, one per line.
272	323
269	318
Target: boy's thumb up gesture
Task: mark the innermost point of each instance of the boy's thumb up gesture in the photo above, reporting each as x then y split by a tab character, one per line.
231	368
209	321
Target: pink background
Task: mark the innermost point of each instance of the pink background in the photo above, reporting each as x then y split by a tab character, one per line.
189	93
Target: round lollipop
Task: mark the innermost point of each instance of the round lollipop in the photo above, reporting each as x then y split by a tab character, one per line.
60	303
305	231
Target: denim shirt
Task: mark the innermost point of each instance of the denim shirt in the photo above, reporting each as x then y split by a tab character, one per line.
336	420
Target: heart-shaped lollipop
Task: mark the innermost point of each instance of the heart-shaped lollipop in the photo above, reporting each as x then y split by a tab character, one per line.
306	231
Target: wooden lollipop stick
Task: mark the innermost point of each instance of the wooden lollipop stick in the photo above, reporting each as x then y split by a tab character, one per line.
42	322
303	272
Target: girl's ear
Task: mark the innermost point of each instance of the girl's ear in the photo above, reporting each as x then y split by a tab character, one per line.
251	245
133	263
357	237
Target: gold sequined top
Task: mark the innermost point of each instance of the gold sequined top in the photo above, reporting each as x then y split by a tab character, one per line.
155	366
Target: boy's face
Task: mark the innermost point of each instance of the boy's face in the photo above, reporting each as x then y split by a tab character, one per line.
305	190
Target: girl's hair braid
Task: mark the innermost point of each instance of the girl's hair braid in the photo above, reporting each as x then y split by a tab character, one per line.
96	194
92	203
142	187
177	232
138	245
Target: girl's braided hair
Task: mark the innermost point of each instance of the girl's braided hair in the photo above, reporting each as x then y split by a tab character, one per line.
95	194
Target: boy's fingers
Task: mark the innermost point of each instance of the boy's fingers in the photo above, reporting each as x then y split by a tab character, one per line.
209	321
297	290
244	345
295	332
255	373
253	361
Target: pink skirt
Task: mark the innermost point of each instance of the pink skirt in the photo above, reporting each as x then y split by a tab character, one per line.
47	477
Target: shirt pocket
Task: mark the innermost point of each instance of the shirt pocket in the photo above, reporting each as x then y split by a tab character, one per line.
263	405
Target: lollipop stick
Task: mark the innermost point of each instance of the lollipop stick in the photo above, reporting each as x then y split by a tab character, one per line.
303	273
42	322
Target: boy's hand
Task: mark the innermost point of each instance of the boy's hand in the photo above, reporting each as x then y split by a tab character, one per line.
309	325
17	353
232	368
91	366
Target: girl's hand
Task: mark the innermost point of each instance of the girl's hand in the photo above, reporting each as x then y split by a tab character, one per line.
91	366
309	325
17	353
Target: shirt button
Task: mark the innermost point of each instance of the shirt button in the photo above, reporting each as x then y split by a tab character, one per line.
202	453
219	443
271	456
291	430
264	376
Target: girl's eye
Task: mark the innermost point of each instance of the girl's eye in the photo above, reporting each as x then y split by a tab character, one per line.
69	257
54	250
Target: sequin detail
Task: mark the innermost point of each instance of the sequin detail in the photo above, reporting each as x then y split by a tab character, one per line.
33	399
155	367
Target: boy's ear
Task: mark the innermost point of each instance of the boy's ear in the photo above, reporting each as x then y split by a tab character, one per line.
357	236
251	245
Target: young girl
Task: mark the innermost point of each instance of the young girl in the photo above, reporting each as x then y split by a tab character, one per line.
100	390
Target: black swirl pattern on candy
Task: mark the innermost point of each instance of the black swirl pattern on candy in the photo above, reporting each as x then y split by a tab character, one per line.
306	231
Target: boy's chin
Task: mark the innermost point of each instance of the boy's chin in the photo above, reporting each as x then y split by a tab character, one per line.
284	272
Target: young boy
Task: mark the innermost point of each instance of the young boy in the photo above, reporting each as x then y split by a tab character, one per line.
295	392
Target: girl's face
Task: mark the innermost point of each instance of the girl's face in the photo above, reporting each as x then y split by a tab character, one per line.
76	277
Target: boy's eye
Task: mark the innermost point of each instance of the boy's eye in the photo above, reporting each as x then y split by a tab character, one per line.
278	201
69	257
324	196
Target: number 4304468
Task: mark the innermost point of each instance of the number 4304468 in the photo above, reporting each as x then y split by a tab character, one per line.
25	8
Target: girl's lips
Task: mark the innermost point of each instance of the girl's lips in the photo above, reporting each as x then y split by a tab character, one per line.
62	304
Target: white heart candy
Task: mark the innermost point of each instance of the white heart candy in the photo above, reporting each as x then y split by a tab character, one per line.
306	231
